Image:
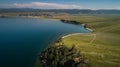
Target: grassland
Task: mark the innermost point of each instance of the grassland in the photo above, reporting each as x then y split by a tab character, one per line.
101	47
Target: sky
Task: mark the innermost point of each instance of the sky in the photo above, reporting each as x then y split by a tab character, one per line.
61	4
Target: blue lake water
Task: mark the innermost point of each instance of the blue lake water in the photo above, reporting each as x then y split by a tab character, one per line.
22	39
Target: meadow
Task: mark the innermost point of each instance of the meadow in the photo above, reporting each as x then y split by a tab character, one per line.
102	46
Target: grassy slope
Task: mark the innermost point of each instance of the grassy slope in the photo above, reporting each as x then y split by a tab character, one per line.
104	51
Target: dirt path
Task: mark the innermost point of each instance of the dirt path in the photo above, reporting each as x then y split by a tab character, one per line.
94	37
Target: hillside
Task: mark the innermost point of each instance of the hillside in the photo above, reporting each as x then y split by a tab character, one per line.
101	47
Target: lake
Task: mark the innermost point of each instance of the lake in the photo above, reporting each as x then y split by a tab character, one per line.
22	39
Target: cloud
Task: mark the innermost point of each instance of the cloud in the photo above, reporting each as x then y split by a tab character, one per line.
41	5
118	8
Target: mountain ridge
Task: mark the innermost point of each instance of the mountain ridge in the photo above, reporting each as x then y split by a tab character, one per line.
69	11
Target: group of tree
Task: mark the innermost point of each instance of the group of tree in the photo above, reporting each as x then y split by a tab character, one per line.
61	56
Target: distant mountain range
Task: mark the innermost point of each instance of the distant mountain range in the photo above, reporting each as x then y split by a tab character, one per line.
69	11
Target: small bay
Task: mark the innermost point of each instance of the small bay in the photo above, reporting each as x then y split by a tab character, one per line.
22	39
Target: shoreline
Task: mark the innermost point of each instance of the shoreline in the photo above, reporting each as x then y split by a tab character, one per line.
72	34
77	23
62	20
38	17
65	21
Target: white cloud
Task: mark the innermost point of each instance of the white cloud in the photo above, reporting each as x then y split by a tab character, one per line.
118	8
41	5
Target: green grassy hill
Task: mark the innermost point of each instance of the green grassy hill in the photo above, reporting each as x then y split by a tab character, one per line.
101	47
